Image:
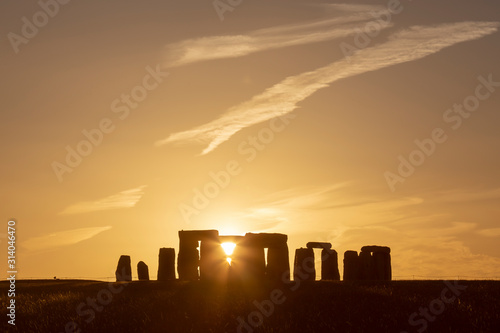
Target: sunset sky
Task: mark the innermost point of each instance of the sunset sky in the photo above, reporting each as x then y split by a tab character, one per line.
356	123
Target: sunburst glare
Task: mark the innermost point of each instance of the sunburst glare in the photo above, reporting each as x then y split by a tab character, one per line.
228	248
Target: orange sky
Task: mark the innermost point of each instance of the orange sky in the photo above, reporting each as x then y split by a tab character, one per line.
357	124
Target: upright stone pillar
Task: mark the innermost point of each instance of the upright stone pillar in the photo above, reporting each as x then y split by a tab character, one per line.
351	266
166	264
304	266
366	266
142	271
329	260
278	263
213	264
329	265
124	269
188	258
382	263
248	261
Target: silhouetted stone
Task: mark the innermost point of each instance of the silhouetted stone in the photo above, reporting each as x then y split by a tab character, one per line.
188	259
382	265
375	248
124	269
166	264
210	259
375	262
266	240
277	253
277	262
366	266
351	266
199	234
231	239
318	245
142	271
304	267
248	260
388	268
213	264
329	265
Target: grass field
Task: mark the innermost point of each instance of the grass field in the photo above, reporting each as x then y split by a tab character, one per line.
397	306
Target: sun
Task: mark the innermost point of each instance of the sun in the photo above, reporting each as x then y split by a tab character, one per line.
228	248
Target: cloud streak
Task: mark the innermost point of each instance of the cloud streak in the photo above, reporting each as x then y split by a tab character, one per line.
492	232
405	46
220	47
469	196
423	244
319	206
62	238
123	199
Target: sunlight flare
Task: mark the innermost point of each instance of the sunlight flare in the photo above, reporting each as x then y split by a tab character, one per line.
228	248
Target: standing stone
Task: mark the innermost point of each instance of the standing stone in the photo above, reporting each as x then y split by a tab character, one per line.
142	271
124	269
366	266
278	263
329	265
188	259
304	266
388	267
248	261
351	266
166	264
213	264
382	263
376	263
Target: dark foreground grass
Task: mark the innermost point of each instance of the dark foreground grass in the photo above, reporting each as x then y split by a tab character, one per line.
47	306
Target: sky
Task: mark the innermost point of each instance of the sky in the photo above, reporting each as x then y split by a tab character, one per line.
355	123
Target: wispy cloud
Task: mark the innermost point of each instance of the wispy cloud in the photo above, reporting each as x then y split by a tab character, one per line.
287	209
124	199
452	228
219	47
423	244
424	252
492	232
470	195
310	198
62	238
319	206
405	46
